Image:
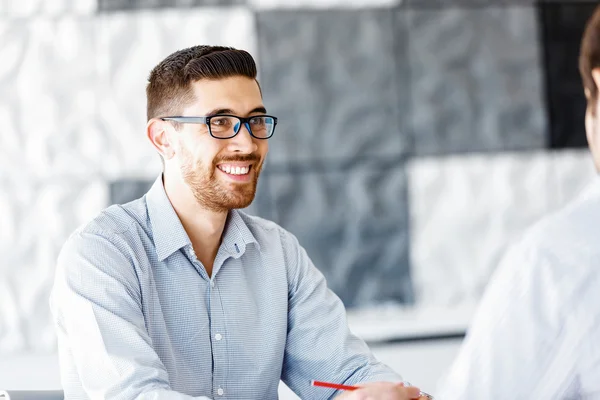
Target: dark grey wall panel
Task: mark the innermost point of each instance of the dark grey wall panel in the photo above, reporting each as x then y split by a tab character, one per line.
476	80
115	5
354	225
562	30
125	190
464	3
331	78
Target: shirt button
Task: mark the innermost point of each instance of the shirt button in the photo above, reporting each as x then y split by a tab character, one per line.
220	392
212	283
218	336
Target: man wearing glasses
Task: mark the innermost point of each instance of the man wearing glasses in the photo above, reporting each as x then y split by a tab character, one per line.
179	295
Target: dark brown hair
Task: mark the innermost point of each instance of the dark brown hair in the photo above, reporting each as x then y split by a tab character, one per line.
169	84
589	57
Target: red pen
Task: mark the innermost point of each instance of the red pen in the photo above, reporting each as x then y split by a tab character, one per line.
332	385
346	387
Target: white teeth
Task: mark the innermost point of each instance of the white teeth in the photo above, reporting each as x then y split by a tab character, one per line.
235	170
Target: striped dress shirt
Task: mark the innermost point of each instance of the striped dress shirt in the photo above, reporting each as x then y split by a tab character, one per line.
536	334
138	317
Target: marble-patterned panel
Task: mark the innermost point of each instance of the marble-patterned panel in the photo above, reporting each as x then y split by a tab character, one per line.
332	79
36	8
41	216
321	4
117	5
465	3
353	223
476	79
464	213
131	44
50	81
573	170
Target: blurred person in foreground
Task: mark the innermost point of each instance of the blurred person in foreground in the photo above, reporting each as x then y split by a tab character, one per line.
536	334
179	295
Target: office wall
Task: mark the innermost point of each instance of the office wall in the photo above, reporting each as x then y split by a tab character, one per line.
417	139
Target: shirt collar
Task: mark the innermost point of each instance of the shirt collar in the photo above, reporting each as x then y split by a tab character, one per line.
237	235
167	230
170	236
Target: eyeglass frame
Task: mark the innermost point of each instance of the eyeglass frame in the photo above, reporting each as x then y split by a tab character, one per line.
206	121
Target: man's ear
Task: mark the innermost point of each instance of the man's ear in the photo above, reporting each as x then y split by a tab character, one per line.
157	132
596	77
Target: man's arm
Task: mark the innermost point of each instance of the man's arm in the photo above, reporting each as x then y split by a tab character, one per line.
96	302
319	344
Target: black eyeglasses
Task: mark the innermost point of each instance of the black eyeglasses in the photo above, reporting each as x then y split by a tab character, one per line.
224	126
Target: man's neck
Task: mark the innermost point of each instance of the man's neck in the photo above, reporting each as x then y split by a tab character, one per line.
204	227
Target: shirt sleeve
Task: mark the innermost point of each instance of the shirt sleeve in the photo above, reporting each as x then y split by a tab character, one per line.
519	343
96	303
319	344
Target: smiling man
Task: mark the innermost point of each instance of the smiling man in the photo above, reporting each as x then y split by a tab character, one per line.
179	295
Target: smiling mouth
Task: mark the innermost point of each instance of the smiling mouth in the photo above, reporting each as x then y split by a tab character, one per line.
235	169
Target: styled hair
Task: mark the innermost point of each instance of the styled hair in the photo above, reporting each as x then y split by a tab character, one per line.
169	87
589	57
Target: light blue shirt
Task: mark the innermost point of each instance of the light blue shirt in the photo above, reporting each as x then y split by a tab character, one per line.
138	317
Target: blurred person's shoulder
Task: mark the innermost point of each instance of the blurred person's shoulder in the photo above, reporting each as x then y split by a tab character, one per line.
574	227
562	250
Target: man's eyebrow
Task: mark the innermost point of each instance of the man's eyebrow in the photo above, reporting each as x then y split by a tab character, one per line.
216	111
260	109
219	111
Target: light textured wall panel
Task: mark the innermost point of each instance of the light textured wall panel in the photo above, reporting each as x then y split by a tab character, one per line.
49	82
465	210
131	44
29	8
573	170
331	77
114	5
41	214
476	79
353	224
52	147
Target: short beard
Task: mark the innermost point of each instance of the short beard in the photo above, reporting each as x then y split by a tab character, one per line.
209	192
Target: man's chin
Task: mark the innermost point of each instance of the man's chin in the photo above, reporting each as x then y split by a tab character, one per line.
241	204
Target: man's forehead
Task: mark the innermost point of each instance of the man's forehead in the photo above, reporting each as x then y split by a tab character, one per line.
239	95
228	84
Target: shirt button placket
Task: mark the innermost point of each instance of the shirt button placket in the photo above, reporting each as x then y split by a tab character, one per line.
219	348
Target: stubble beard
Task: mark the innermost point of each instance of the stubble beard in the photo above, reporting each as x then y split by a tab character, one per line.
215	195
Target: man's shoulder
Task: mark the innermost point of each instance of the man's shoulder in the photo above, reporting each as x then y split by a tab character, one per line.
258	224
116	221
265	230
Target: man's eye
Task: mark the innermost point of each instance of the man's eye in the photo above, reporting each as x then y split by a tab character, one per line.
219	121
257	121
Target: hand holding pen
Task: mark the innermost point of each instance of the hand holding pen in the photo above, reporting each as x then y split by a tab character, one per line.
377	391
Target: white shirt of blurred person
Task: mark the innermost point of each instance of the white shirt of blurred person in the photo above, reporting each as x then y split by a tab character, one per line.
180	295
536	333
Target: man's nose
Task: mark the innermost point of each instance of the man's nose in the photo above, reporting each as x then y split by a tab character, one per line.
243	141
